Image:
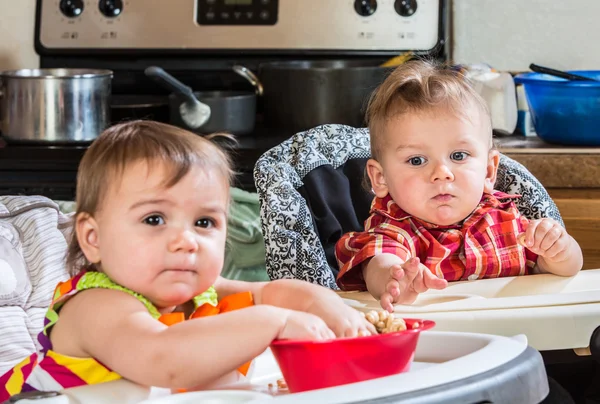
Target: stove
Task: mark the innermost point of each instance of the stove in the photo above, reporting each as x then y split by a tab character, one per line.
198	42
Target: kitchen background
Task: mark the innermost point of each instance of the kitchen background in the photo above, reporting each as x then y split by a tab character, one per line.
508	34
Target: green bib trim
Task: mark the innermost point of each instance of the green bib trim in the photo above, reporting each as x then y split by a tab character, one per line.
91	280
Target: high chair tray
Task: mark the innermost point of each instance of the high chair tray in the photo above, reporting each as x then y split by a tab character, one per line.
448	367
553	312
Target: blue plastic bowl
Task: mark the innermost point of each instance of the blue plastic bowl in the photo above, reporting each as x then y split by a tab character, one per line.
563	111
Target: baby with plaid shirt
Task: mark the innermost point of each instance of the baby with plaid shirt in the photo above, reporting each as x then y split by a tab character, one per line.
435	216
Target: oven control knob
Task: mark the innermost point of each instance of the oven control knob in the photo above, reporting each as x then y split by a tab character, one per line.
406	8
111	8
365	7
71	8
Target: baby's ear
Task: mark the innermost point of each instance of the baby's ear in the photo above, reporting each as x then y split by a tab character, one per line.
378	184
491	171
87	237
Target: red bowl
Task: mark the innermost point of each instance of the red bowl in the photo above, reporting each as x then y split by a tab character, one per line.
309	365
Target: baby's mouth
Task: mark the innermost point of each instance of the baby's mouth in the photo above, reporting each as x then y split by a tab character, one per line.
443	197
182	270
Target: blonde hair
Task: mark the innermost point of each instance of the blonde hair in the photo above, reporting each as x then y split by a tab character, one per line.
122	145
419	86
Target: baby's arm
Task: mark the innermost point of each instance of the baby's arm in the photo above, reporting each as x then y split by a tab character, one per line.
116	329
559	253
293	294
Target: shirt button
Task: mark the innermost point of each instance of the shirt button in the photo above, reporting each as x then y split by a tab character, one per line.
473	277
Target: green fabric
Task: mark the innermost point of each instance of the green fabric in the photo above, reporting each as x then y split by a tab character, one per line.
209	296
245	247
92	280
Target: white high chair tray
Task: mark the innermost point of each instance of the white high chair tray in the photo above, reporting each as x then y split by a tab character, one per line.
448	365
553	312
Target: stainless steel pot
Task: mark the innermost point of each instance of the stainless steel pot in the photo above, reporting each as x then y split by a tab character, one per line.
54	105
300	95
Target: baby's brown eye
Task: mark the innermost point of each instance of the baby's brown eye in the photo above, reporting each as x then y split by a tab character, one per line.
154	220
205	223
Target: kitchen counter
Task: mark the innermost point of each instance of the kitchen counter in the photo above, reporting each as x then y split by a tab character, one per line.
555	166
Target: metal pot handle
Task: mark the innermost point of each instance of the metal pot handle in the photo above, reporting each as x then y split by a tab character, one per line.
250	76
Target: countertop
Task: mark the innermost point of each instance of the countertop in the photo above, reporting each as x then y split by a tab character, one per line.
555	166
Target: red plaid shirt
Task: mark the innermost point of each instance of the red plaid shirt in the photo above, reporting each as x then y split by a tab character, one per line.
484	245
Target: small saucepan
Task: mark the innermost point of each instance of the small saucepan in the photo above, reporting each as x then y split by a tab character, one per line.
230	111
127	107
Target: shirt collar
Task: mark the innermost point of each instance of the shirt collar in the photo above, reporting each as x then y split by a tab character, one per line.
388	208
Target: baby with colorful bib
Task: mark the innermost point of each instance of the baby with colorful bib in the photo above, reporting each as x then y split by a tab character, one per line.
146	255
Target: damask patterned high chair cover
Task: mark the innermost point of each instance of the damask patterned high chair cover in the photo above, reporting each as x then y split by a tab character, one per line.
312	190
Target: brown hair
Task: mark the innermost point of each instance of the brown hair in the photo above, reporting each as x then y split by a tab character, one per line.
418	86
124	144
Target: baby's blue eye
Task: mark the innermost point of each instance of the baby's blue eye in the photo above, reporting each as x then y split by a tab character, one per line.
459	156
205	223
416	161
154	220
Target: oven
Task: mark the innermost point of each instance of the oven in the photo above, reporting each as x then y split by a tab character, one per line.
198	42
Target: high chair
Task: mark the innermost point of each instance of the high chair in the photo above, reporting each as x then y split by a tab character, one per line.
312	191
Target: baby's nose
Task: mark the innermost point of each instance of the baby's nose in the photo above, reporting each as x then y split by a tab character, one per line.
442	172
184	240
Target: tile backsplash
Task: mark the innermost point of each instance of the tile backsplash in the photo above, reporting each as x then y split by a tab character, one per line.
511	34
16	34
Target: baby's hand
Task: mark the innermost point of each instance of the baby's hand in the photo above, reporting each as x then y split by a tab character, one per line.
406	281
301	325
547	238
343	320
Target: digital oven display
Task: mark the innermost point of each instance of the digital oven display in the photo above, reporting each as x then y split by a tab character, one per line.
238	2
238	12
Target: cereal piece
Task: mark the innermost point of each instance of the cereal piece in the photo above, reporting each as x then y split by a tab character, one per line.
372	317
389	321
281	384
385	322
397	325
415	325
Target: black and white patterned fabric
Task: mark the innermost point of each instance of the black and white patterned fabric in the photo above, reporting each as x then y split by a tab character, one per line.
293	247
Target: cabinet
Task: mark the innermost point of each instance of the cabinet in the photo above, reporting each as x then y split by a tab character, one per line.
580	210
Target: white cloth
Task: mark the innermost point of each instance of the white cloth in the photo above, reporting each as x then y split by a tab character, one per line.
33	243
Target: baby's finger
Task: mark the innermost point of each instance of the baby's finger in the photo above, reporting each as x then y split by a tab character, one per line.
559	250
411	268
418	284
386	302
370	327
553	234
530	233
396	272
328	333
393	288
350	332
541	230
432	281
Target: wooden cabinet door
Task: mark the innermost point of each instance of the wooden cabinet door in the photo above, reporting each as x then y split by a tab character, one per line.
580	210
